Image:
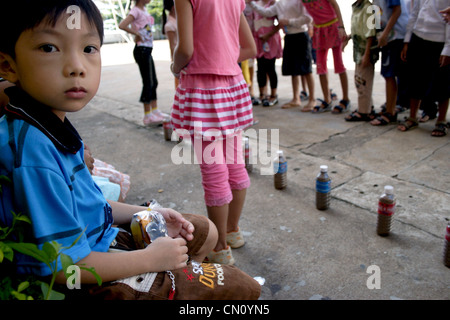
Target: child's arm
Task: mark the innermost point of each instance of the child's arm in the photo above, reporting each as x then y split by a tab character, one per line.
396	12
366	57
336	8
271	11
125	26
246	41
185	47
163	254
166	253
271	33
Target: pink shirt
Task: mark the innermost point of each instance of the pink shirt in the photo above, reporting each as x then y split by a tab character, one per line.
216	37
320	10
142	23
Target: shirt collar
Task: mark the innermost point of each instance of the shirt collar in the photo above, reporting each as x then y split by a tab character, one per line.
22	106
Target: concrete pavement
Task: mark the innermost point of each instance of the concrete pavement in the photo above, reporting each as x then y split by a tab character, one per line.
302	253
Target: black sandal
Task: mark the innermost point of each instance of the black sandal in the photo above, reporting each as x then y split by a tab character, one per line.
358	116
391	118
440	130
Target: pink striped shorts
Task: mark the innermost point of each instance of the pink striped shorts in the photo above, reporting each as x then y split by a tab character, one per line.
214	110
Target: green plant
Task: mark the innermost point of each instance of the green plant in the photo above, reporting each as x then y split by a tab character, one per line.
11	240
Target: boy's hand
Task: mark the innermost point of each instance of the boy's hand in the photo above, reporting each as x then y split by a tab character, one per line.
177	226
167	254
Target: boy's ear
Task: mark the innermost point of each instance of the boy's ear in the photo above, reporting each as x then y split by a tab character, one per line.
8	68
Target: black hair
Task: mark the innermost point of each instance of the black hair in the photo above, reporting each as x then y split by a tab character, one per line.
19	16
167	5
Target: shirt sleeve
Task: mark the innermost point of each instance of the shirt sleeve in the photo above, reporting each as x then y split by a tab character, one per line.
271	11
302	19
412	21
51	212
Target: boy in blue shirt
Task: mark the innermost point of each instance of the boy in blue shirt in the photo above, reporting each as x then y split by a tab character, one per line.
50	50
394	18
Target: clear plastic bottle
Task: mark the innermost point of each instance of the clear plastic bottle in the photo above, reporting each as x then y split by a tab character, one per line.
447	247
386	209
323	189
280	170
247	155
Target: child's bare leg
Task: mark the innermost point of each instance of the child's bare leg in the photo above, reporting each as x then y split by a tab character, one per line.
235	209
325	88
219	216
310	82
344	84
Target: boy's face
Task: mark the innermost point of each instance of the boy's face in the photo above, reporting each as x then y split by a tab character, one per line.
58	66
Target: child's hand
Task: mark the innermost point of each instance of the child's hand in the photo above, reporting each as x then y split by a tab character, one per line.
177	226
166	254
444	61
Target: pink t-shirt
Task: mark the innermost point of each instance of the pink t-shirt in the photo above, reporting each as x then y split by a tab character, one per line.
216	37
142	23
320	10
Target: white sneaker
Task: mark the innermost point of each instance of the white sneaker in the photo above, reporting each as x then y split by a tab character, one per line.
160	114
152	118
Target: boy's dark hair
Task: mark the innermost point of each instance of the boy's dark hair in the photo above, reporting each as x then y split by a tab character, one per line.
19	16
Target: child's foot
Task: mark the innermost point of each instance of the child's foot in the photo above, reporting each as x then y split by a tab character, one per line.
323	107
235	239
160	114
409	124
291	104
223	257
309	106
152	118
303	96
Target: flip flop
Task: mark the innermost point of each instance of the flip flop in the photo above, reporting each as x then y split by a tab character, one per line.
289	105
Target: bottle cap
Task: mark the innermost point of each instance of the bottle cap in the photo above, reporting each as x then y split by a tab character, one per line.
323	168
389	189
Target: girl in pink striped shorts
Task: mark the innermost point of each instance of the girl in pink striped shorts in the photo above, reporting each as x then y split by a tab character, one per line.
213	104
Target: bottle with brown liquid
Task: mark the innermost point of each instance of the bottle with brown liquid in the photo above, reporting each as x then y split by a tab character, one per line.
447	247
167	127
280	170
323	189
386	209
247	155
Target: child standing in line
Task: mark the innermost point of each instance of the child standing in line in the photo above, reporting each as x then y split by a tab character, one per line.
56	70
268	45
169	23
329	33
141	23
365	57
213	98
427	53
394	17
297	59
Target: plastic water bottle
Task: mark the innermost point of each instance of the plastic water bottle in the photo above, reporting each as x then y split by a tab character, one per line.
447	247
247	155
323	189
266	47
167	127
386	209
280	170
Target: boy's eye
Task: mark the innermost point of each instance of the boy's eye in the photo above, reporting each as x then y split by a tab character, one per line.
48	48
90	49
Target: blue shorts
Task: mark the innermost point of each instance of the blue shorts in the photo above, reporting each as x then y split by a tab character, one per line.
391	63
